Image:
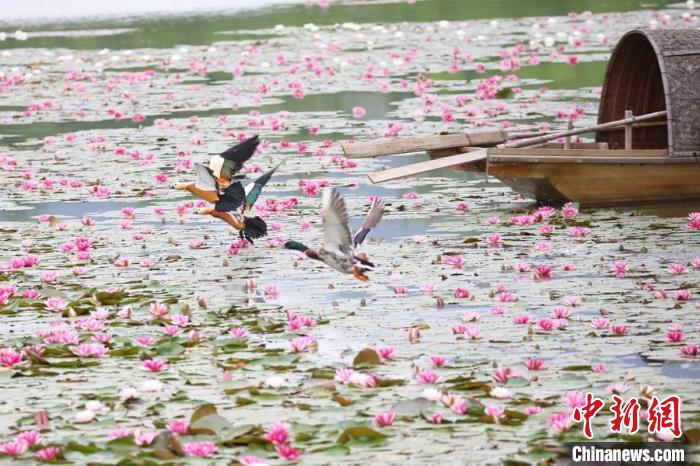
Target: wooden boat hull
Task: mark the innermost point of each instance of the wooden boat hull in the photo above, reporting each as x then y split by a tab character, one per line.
633	177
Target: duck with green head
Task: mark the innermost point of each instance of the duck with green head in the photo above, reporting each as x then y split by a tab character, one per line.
339	245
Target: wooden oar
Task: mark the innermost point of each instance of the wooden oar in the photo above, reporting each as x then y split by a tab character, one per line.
470	157
427	166
389	146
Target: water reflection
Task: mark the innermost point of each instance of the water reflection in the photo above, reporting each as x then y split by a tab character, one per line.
196	28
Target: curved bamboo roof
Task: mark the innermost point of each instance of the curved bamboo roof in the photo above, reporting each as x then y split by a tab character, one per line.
649	71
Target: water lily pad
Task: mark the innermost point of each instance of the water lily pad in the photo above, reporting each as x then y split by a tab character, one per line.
170	349
414	407
360	434
203	411
366	357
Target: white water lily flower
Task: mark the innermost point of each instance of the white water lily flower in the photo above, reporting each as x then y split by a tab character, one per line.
275	381
95	406
432	394
665	435
357	378
85	416
500	393
128	393
152	386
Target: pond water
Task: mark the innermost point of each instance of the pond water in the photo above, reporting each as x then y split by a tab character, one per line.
102	111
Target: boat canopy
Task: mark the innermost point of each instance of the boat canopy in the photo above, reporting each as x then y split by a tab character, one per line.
650	71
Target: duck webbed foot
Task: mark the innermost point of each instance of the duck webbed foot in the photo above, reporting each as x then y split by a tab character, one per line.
357	273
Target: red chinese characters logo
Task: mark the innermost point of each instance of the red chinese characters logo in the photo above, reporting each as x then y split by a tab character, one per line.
665	414
661	414
626	415
587	412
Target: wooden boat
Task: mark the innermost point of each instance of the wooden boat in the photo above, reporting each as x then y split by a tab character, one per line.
595	176
652	157
649	71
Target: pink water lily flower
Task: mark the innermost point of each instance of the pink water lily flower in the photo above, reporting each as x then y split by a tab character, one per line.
569	211
14	448
89	350
158	310
677	269
201	448
30	437
154	365
171	330
47	454
502	374
56	304
460	407
144	438
600	322
531	410
48	276
303	344
620	269
543	272
287	452
438	361
617	387
251	460
428	377
278	432
495	412
179	427
144	340
535	364
619	329
575	399
386	352
238	332
547	324
384	419
358	112
472	333
572	301
522	267
560	421
506	297
494	241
